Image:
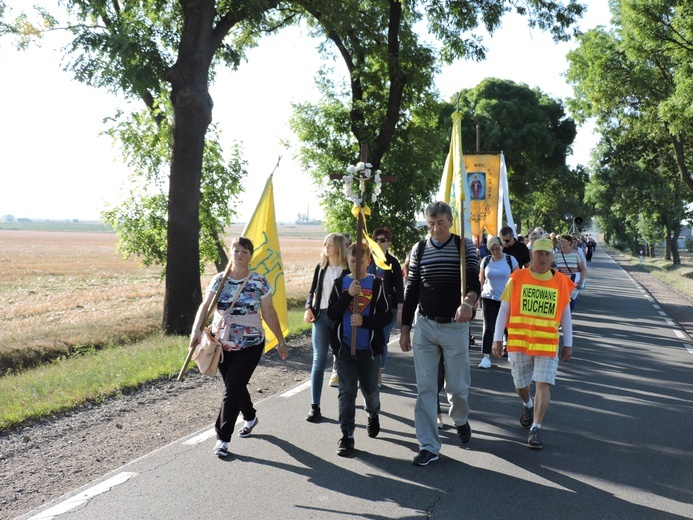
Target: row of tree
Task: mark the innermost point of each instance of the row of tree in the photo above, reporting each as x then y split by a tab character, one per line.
636	79
165	54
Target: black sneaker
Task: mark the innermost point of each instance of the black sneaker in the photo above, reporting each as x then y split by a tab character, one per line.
373	427
423	458
526	417
534	439
345	445
464	432
314	415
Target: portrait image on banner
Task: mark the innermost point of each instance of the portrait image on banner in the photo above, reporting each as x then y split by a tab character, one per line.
477	185
483	180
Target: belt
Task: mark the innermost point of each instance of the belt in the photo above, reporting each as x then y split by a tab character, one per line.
438	319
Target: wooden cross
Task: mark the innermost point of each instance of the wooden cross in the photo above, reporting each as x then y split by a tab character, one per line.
358	273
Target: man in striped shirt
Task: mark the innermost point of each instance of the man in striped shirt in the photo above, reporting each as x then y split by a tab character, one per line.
434	286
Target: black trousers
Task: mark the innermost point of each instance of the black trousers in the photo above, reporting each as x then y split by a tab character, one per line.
236	369
490	309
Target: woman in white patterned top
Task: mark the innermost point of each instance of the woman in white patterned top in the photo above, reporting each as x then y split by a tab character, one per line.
243	338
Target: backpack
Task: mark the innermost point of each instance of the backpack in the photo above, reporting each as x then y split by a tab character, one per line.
487	259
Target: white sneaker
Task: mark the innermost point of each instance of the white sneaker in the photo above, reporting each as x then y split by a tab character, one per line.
485	363
221	448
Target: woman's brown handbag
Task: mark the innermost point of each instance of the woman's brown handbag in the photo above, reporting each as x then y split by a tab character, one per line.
209	352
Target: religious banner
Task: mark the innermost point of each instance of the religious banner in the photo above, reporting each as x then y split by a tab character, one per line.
483	175
267	258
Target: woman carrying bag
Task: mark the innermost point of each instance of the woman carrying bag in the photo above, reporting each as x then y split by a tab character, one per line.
243	340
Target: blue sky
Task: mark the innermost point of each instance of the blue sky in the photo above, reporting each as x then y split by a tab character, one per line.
55	165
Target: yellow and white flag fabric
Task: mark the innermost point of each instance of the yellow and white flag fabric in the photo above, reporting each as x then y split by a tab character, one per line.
453	186
267	258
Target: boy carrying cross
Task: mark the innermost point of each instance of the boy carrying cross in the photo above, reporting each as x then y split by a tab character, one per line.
361	367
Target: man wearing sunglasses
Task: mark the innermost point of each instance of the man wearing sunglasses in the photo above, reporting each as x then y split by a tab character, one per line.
514	247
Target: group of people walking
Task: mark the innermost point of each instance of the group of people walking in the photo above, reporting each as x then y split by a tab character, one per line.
356	298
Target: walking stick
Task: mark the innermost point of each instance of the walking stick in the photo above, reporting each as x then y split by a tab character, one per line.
210	311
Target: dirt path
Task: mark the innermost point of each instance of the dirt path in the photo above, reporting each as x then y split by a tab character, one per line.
41	462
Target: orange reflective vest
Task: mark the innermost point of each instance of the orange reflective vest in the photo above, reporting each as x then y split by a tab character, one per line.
536	307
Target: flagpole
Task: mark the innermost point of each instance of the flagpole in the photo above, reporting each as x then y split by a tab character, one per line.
457	121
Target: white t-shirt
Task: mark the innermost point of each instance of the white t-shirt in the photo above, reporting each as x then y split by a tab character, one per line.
331	274
496	273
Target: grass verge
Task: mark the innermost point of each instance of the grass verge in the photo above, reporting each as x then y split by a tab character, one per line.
680	277
69	382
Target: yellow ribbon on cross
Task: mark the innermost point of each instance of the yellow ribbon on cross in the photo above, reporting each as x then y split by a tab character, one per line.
378	255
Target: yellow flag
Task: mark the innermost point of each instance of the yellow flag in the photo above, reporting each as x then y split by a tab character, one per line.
485	204
453	188
267	258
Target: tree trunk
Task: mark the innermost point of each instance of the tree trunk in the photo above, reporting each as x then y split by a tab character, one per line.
673	240
679	154
192	114
223	260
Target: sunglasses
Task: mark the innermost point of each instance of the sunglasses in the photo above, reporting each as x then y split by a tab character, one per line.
381	240
507	240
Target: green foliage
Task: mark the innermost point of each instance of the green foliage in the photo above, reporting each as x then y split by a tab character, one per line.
25	224
26	28
454	23
141	218
125	48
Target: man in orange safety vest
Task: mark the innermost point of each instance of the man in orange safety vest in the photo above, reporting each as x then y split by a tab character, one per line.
534	304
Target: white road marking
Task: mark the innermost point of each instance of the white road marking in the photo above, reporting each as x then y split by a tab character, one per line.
297	389
84	497
201	437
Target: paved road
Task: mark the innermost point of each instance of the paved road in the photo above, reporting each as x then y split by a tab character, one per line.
618	442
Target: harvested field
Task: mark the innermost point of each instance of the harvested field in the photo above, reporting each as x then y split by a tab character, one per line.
65	290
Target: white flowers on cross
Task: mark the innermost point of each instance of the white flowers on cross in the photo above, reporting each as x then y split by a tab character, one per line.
361	173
